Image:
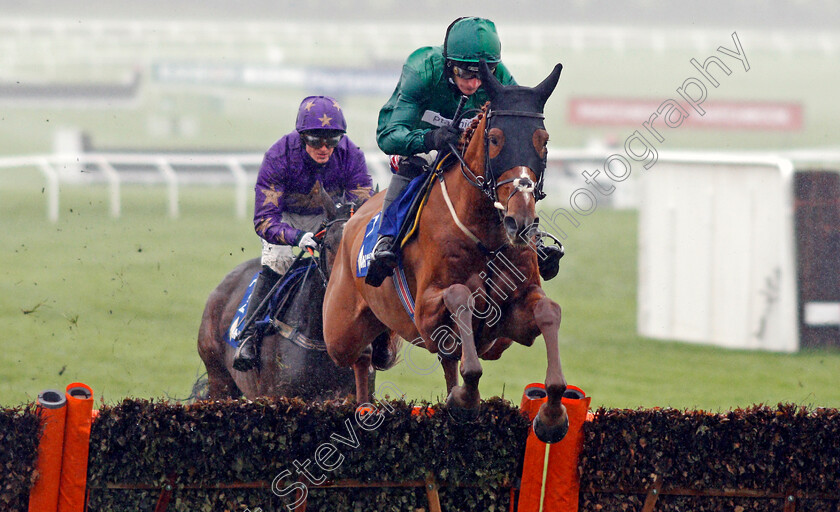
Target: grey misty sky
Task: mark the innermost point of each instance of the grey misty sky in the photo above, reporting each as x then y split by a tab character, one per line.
736	14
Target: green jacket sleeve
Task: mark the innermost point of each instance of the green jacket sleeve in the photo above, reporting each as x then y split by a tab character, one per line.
396	132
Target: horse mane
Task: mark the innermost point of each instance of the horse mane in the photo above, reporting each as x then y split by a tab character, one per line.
469	131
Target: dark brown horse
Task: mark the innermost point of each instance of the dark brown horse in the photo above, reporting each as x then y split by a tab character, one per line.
300	369
472	268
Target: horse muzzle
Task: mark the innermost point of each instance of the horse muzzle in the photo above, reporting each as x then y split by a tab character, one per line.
519	231
519	217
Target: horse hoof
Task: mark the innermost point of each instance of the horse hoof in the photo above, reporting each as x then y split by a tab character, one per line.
462	416
550	434
456	409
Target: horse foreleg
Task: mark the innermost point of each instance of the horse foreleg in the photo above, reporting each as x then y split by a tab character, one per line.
552	422
220	384
212	349
450	373
466	397
361	370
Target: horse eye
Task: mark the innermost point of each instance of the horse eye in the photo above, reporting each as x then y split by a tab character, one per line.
496	138
540	140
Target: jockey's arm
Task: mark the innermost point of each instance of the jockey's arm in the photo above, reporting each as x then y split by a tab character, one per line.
269	206
357	181
396	133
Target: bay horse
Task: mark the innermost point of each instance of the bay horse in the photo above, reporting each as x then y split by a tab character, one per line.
472	266
300	369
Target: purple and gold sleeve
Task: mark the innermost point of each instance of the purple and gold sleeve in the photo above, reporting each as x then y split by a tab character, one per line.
269	206
358	183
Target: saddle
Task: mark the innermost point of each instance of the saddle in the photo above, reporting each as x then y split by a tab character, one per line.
409	205
287	289
400	220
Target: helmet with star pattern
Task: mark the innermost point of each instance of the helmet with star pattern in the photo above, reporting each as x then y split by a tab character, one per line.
318	113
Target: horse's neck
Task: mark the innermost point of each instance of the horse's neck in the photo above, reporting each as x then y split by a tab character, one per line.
305	308
472	206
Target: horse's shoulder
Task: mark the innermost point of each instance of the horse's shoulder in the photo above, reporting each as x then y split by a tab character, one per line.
245	267
242	273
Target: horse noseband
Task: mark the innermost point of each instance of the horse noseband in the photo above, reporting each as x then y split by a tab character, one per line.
524	185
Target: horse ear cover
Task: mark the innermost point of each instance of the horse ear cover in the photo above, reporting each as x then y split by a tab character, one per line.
489	81
547	86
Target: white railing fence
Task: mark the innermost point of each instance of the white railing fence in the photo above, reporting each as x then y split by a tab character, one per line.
564	175
238	170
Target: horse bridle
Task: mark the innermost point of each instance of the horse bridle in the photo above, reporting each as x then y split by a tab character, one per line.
321	236
490	186
488	183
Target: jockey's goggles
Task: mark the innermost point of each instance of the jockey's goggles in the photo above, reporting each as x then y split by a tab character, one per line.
466	74
317	142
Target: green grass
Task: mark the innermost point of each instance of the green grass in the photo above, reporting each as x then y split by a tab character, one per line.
116	303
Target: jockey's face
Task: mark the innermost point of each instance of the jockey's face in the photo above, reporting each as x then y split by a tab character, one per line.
320	155
320	145
466	79
467	86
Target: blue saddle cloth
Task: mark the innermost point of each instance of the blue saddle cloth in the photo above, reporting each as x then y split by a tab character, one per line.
388	223
290	280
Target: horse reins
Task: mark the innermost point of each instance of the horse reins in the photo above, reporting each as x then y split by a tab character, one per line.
321	262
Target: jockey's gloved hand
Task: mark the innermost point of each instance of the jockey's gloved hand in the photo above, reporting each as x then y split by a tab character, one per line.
440	138
305	240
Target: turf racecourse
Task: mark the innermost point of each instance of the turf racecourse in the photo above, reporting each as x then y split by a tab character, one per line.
116	303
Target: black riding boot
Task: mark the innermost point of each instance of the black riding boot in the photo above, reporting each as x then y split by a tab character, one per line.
247	355
384	254
548	258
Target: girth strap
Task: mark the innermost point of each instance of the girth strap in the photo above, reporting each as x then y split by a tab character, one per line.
297	337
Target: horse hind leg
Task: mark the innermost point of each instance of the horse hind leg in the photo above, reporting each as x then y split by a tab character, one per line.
464	399
551	423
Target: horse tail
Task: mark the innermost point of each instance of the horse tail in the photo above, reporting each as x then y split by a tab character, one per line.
386	348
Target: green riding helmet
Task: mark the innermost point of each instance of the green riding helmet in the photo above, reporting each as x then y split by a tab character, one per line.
471	39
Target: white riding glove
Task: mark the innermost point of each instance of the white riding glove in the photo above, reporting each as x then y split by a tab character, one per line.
307	240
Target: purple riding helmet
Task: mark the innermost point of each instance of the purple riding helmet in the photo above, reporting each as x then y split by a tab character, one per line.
320	113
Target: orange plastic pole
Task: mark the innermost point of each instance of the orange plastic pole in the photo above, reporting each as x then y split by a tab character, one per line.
71	496
530	489
562	482
52	411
